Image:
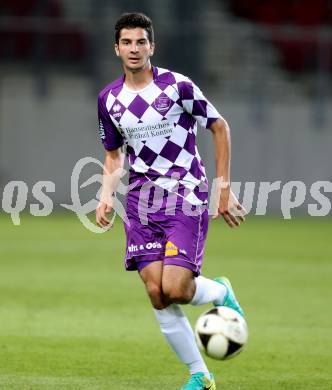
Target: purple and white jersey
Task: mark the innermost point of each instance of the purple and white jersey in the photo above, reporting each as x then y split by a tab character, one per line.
158	125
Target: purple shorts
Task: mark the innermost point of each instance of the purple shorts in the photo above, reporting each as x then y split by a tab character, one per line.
177	239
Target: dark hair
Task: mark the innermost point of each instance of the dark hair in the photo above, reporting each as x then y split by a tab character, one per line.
133	20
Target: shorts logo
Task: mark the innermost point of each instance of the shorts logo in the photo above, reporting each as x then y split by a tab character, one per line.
132	248
150	245
171	249
153	245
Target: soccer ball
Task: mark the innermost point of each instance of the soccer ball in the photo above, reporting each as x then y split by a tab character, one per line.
221	333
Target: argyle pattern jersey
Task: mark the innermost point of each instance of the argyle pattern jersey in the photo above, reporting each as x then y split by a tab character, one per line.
158	126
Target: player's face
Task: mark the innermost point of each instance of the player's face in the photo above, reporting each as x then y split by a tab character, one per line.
134	49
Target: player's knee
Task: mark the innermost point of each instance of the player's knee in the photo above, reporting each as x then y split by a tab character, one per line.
180	291
177	294
155	294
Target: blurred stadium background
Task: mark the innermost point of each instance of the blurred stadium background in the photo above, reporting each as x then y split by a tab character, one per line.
266	65
64	300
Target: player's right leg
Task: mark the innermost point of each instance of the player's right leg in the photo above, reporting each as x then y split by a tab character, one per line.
151	275
178	286
175	326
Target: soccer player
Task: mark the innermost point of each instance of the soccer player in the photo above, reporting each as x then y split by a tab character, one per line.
153	113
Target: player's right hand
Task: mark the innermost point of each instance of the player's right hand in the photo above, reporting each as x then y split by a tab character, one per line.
101	218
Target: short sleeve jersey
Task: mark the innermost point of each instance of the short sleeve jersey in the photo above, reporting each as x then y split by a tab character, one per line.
158	126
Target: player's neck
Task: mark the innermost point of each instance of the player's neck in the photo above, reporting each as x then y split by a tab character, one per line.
140	79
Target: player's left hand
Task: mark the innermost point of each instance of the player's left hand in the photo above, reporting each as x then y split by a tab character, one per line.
230	208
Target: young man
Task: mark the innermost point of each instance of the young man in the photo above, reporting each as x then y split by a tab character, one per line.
154	113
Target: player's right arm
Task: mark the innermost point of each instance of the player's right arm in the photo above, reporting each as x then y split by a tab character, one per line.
114	160
112	172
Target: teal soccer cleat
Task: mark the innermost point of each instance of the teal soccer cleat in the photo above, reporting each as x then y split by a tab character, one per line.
200	381
230	299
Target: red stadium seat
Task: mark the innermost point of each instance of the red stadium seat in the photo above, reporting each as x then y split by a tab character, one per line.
298	54
245	9
16	45
307	12
328	16
299	12
269	13
19	7
64	44
26	8
68	45
54	9
24	44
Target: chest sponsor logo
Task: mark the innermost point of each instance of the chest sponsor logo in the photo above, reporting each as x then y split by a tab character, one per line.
142	132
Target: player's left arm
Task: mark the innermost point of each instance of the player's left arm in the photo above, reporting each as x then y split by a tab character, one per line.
227	204
195	103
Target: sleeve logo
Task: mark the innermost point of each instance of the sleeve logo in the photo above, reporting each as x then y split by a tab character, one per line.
101	129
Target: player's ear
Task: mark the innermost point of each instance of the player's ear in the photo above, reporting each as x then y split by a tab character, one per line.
152	47
116	49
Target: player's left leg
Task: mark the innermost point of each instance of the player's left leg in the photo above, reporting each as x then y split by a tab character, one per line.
186	242
185	245
218	291
178	288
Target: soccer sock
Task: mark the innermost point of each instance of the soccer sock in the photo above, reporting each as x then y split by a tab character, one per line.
177	330
208	290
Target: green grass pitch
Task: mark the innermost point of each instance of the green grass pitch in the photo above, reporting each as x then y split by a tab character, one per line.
72	318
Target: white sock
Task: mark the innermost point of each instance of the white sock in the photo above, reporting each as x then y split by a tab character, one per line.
208	290
177	330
